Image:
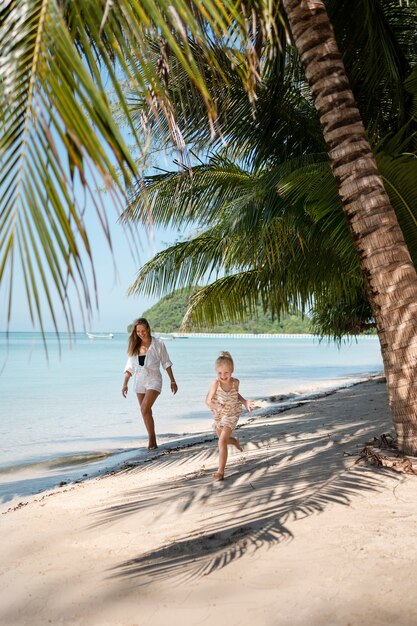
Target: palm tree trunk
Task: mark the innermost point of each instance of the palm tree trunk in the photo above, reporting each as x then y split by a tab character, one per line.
389	273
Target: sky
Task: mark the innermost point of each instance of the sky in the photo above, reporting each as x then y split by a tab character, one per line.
116	308
116	272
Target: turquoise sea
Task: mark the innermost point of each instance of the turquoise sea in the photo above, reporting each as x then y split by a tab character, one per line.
63	417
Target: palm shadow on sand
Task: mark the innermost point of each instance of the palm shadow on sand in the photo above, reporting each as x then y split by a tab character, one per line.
293	466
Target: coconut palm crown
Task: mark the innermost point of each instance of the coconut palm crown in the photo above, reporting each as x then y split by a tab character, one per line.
270	166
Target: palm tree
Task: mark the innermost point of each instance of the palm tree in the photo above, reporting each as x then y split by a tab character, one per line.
382	253
388	270
53	97
268	144
267	245
287	249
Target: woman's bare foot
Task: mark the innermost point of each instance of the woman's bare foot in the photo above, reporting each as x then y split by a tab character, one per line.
218	476
152	447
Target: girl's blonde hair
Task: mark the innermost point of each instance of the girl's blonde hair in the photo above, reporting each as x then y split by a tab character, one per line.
225	357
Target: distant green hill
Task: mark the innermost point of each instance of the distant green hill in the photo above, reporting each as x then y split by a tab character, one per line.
166	317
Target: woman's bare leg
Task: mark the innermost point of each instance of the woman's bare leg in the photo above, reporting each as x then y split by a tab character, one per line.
146	401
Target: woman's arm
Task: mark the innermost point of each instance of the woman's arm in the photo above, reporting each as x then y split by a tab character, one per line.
129	371
125	383
174	386
162	353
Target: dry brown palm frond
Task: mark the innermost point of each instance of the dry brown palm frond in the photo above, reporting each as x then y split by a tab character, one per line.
392	458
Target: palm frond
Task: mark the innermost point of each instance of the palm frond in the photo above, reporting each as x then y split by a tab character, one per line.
183	264
342	317
378	44
399	174
60	64
190	196
43	84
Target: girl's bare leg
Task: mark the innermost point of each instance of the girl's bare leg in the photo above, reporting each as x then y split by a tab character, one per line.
224	436
146	401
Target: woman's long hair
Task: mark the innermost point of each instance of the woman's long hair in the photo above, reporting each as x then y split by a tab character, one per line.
135	342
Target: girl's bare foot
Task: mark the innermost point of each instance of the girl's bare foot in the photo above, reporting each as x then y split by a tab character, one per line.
152	446
236	442
218	476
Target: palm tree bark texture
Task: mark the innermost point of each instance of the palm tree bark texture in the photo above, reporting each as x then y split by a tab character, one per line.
390	276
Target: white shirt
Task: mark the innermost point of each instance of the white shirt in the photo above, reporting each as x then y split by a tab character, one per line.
156	356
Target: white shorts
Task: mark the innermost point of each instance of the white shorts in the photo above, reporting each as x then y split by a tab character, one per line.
144	383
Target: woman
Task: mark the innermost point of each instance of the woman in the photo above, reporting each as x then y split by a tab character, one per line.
146	354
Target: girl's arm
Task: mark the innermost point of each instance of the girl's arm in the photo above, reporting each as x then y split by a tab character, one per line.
248	404
212	405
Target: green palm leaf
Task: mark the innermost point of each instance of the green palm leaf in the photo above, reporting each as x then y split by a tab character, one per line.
61	72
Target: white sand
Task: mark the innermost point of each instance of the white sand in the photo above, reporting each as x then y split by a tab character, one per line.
298	533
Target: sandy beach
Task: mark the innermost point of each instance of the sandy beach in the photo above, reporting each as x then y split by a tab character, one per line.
299	533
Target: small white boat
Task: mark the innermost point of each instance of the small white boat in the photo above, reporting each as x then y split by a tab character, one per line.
96	336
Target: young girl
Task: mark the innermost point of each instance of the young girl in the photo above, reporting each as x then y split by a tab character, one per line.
225	402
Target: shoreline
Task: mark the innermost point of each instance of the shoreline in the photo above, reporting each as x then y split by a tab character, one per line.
298	534
25	479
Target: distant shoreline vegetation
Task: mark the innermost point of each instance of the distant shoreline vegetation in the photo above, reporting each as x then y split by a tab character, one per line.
166	317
